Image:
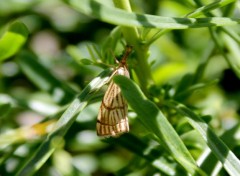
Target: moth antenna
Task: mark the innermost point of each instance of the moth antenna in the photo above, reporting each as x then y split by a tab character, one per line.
126	54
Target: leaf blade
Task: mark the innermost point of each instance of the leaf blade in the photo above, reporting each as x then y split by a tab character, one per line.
157	124
221	151
13	40
63	124
109	14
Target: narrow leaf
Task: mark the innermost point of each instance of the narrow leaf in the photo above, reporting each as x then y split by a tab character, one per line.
155	122
147	152
221	151
110	14
63	124
208	162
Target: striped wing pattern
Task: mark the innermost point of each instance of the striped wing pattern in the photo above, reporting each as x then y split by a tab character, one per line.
112	118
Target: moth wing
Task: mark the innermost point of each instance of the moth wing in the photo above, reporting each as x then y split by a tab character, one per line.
112	118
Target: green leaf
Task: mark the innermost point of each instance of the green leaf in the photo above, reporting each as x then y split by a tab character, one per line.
208	162
120	17
146	150
234	52
43	79
63	124
209	7
155	122
12	40
221	151
86	61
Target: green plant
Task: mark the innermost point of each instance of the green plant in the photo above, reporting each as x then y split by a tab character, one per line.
178	97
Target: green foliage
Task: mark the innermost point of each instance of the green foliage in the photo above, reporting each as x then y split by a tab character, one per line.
12	40
183	94
44	80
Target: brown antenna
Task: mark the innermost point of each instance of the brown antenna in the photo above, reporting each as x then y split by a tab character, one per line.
126	54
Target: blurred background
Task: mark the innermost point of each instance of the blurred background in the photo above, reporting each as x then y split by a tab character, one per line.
60	38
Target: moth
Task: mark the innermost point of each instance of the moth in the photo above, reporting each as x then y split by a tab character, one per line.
112	117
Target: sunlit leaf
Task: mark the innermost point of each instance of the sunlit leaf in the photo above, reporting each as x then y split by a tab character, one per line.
12	40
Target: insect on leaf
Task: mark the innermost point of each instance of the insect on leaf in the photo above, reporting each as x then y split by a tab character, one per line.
112	117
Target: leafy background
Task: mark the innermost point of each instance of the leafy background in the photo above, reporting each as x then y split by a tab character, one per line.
56	56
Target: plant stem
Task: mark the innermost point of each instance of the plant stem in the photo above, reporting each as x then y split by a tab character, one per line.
131	35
